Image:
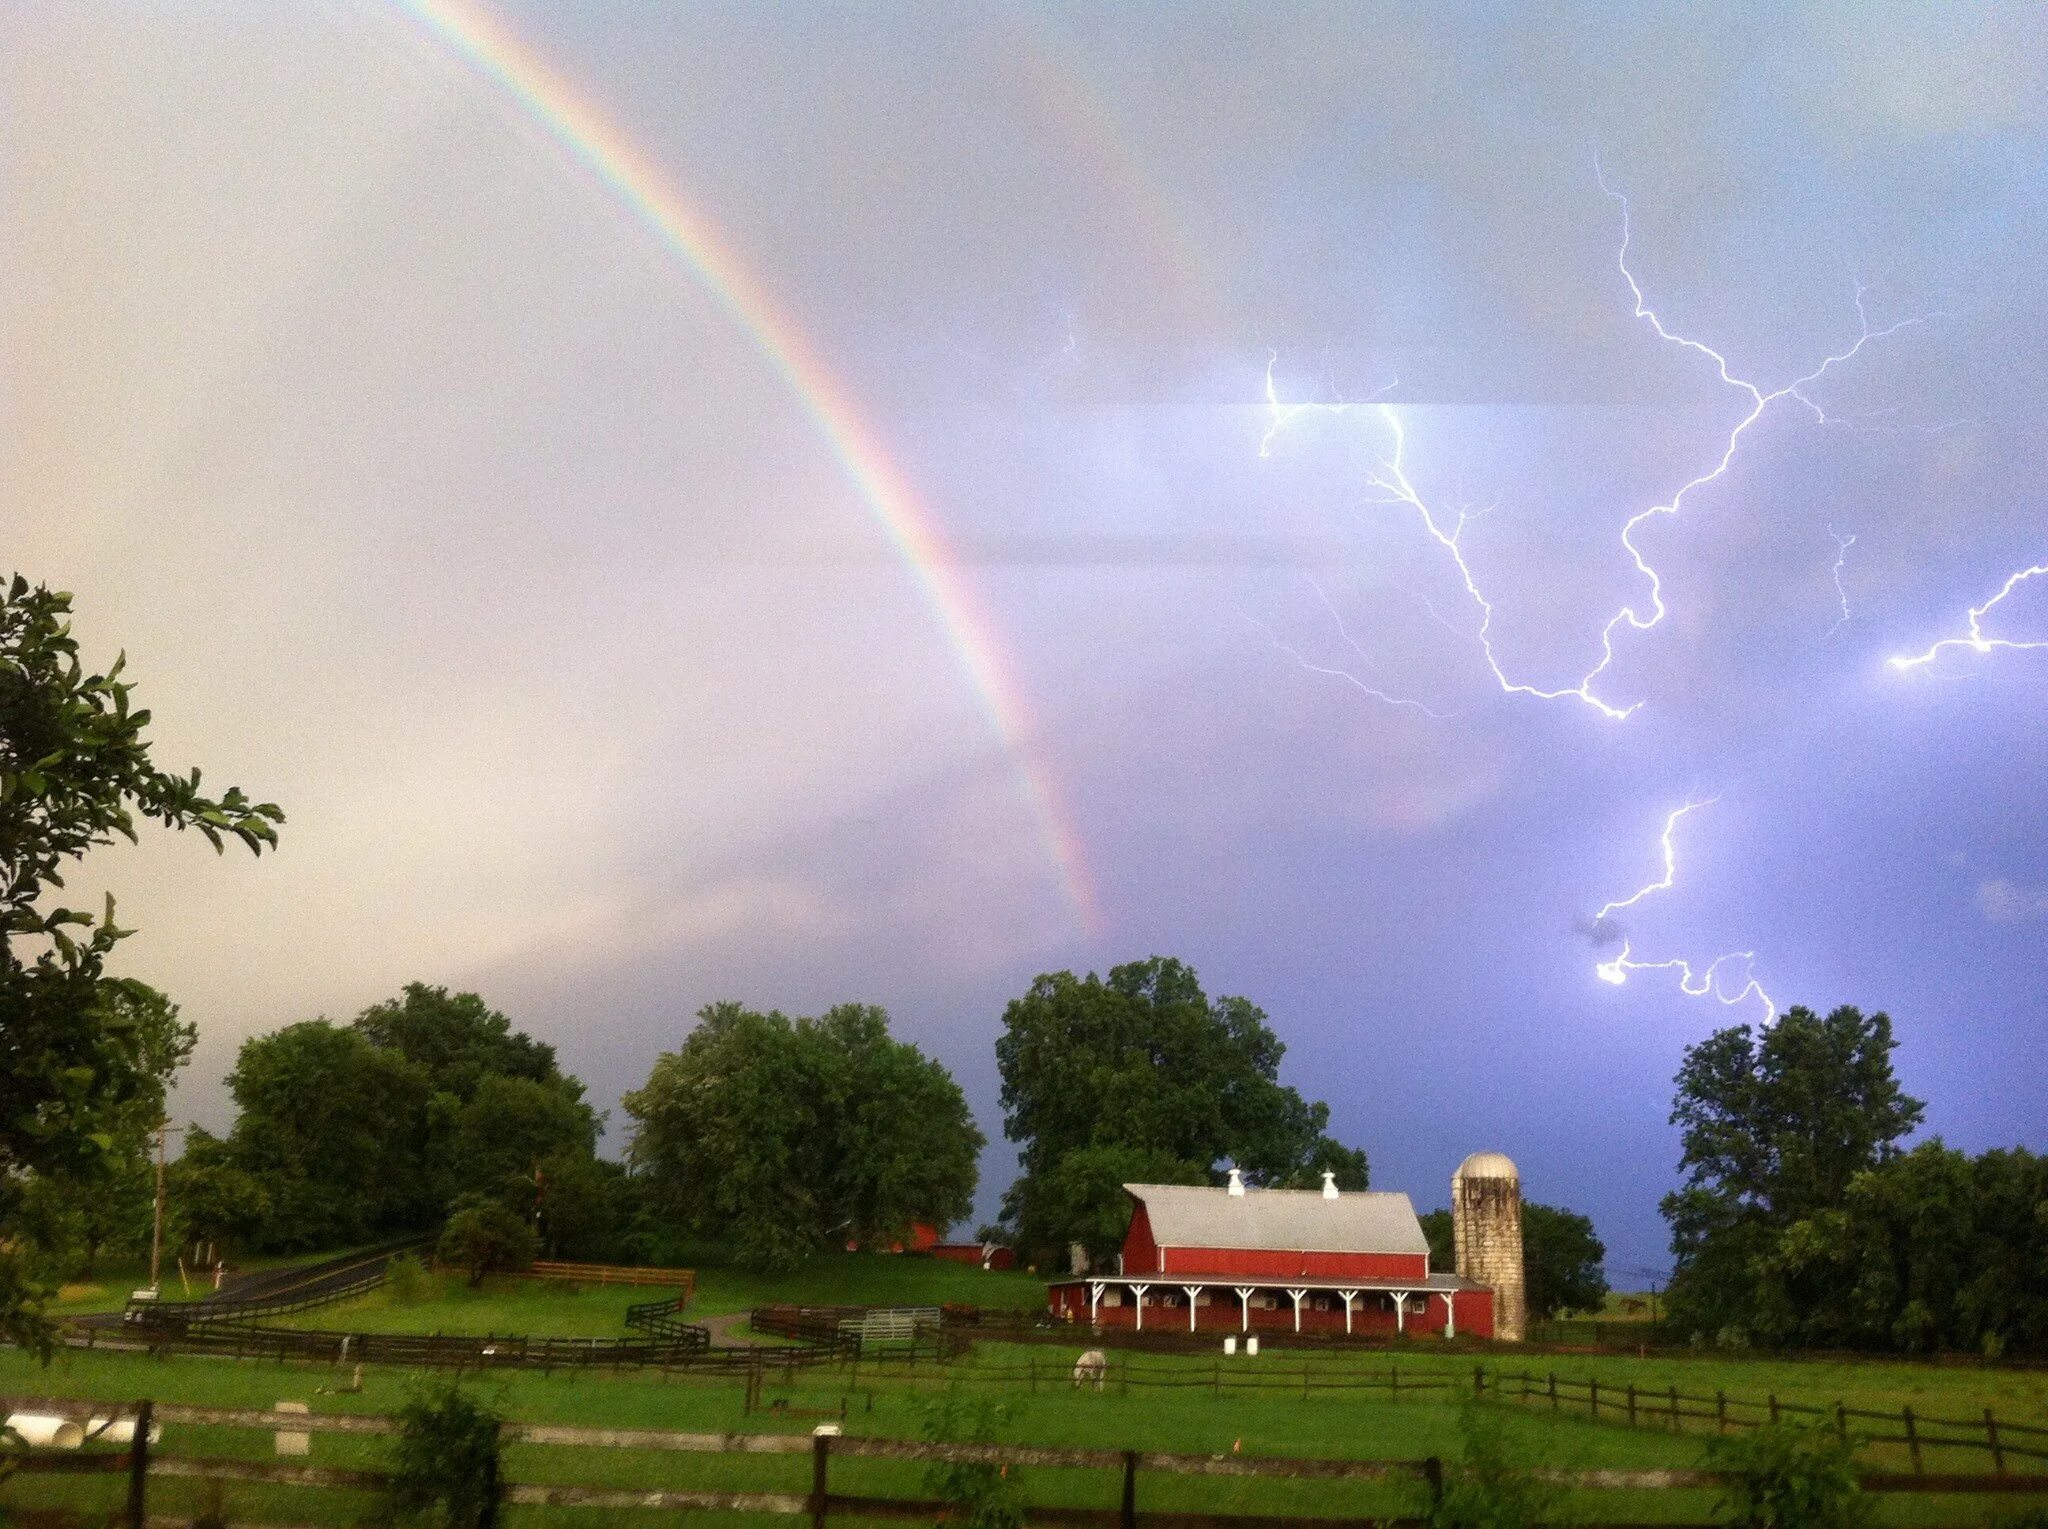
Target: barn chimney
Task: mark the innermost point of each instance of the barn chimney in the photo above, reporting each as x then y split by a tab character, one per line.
1329	1185
1236	1182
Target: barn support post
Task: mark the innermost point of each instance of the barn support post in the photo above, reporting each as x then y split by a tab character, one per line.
1094	1300
1244	1300
1349	1297
1400	1313
1295	1296
1450	1314
1193	1291
1138	1295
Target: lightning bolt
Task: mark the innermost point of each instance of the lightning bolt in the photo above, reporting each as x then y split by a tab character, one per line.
1395	486
1279	413
1670	862
1345	675
1842	546
1977	642
1704	983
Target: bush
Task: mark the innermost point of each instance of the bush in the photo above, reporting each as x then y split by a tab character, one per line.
1485	1489
444	1467
486	1237
405	1280
981	1496
1785	1477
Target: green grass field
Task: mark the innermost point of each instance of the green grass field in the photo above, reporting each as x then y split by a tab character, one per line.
1190	1404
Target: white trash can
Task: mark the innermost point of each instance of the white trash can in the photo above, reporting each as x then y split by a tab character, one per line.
1230	1345
1251	1345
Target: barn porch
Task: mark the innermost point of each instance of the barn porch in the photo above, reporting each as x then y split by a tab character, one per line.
1436	1303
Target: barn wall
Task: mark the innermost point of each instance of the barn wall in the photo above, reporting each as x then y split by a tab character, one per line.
1281	1264
1141	1253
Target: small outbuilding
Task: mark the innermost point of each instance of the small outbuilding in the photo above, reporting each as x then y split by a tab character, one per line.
1237	1259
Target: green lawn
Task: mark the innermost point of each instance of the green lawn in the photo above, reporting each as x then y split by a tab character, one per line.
1192	1403
1139	1410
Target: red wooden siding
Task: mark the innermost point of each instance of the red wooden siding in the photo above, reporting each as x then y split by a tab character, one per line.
1141	1253
1281	1264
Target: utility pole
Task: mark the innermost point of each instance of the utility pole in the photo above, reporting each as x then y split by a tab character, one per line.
156	1232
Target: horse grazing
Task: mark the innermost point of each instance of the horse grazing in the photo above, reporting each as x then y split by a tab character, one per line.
1092	1365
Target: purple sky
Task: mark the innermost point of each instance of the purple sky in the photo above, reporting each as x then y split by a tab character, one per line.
434	498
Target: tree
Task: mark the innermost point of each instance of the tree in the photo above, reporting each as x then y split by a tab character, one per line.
457	1039
1084	1193
334	1128
216	1205
485	1237
1145	1060
1775	1125
509	1127
784	1136
75	770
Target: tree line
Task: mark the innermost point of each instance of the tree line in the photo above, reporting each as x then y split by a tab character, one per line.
1804	1222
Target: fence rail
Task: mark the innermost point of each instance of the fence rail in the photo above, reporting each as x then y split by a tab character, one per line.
314	1285
684	1280
146	1460
1673	1410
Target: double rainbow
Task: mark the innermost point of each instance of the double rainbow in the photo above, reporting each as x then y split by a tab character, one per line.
593	142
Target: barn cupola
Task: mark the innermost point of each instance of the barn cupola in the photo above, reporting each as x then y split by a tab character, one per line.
1329	1185
1236	1183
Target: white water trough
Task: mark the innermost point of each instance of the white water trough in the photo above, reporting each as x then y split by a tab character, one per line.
43	1430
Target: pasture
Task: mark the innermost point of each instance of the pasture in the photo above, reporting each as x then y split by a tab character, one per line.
1405	1402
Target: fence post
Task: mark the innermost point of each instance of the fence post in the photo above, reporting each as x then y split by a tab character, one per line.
1675	1424
1841	1422
1720	1412
1433	1476
821	1452
1991	1437
1774	1409
138	1469
1593	1397
1479	1380
1631	1404
1034	1375
1128	1511
1393	1382
1912	1437
489	1517
1215	1377
1553	1390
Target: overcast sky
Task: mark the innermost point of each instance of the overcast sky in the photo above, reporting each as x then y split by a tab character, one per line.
435	498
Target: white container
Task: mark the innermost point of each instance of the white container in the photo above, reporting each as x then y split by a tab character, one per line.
1251	1345
1230	1345
39	1430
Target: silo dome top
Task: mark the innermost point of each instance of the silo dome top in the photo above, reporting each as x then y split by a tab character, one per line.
1489	1165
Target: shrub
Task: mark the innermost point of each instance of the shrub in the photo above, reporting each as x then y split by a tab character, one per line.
982	1496
405	1280
1485	1489
444	1467
1786	1477
486	1237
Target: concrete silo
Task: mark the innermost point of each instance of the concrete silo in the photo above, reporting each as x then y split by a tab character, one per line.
1486	1226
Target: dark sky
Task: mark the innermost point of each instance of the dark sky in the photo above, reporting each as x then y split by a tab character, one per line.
433	494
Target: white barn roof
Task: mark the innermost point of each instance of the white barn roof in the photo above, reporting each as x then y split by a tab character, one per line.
1281	1220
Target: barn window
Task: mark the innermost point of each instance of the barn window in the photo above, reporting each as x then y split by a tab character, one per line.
1112	1298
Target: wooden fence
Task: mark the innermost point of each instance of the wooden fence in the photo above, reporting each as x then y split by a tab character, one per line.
684	1280
1674	1410
144	1462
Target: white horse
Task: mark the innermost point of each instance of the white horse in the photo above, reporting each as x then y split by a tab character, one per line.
1092	1365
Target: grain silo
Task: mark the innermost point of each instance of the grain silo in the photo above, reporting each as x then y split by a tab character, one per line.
1486	1227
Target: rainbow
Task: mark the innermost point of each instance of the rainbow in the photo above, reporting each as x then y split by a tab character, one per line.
592	142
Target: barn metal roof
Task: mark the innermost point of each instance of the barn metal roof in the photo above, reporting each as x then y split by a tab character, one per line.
1281	1220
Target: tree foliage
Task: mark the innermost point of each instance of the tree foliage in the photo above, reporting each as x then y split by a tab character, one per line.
75	771
444	1463
485	1237
1146	1062
782	1137
1562	1258
1775	1125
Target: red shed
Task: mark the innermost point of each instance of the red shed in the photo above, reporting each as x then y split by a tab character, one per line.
1261	1259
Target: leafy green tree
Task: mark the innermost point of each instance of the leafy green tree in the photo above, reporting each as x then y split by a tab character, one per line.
782	1137
217	1206
510	1126
457	1039
480	1239
1775	1124
334	1128
75	770
1145	1060
1084	1193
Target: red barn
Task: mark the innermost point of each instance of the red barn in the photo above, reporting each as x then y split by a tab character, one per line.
1294	1260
